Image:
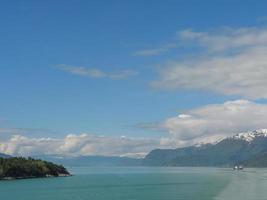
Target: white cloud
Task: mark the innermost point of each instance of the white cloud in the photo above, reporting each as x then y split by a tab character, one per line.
226	38
156	51
96	73
232	62
200	125
220	39
75	145
243	74
212	122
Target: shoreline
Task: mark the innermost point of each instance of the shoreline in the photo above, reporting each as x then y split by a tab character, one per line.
34	177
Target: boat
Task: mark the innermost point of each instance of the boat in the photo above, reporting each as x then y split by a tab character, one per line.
238	167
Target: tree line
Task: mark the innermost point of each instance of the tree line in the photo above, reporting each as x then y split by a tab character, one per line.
19	167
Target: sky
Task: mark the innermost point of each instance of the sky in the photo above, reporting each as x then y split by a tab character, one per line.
121	77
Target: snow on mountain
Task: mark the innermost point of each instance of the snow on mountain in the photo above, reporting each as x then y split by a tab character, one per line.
251	135
245	136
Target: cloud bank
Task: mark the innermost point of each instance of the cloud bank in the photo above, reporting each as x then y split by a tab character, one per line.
212	122
76	145
200	125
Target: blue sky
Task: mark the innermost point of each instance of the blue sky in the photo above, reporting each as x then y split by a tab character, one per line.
120	49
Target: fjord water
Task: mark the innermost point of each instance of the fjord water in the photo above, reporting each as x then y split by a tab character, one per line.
142	183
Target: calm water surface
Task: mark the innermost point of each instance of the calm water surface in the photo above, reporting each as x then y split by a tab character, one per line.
143	183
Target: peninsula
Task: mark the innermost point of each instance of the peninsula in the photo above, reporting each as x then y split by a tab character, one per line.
22	168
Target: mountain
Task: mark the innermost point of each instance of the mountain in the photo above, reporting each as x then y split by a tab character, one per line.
246	148
91	160
256	161
4	155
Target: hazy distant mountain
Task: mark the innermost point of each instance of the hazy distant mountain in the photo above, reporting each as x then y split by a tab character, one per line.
4	155
249	148
92	160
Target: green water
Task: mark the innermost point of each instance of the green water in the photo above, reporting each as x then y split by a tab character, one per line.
143	183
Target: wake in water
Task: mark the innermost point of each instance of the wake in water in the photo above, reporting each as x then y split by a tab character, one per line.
246	185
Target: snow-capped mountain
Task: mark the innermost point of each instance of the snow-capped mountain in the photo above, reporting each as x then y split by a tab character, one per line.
248	148
251	135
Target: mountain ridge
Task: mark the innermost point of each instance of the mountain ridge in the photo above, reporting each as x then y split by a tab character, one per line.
2	155
77	161
250	135
227	152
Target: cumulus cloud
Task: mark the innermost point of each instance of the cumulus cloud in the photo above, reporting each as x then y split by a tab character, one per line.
75	145
212	122
200	125
227	61
96	73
